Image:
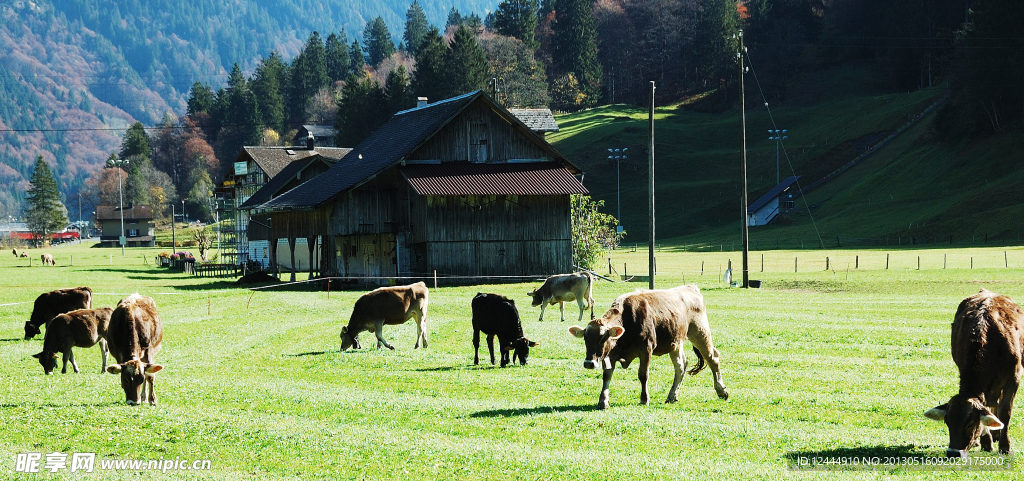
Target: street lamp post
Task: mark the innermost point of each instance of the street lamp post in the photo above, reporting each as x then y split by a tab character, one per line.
618	155
778	136
118	163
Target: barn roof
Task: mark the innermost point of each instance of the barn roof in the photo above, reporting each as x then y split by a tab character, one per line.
113	212
274	159
387	147
538	120
771	194
540	178
276	183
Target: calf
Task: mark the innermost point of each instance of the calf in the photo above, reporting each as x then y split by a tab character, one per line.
645	323
80	328
134	336
496	315
47	260
986	346
387	306
558	289
50	304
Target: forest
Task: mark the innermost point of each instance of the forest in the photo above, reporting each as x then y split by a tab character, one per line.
564	54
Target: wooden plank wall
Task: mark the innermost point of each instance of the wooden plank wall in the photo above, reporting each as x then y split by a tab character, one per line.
380	205
479	135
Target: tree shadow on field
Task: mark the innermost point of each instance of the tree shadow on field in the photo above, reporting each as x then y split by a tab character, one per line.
13	339
310	353
504	413
860	452
98	404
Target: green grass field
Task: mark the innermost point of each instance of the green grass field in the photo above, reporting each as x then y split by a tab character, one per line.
840	362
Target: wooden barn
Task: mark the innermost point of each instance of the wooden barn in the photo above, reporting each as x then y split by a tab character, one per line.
460	186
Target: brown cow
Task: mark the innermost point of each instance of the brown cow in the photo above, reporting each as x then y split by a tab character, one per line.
81	328
23	254
645	323
47	260
986	346
134	337
387	306
15	252
561	288
49	304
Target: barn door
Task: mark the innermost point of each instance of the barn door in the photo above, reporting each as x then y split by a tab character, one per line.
478	141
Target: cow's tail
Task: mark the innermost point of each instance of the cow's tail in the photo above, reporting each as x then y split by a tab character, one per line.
590	293
700	364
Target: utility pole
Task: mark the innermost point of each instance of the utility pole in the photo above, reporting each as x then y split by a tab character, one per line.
650	179
618	155
118	163
174	245
778	136
743	120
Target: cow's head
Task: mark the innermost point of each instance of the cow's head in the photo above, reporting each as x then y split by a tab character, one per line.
349	340
133	378
520	349
48	360
600	339
31	331
538	299
967	419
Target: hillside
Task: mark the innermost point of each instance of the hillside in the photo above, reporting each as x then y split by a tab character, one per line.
76	73
915	187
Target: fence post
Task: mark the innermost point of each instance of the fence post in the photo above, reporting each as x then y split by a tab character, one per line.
796	261
972	262
1006	260
918	262
111	259
702	268
762	262
856	264
826	263
435	278
943	261
886	261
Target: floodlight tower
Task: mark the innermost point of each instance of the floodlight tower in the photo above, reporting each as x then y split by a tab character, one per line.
778	136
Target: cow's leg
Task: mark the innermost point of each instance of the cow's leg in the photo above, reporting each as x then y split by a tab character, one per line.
1005	411
561	309
602	401
378	329
476	347
74	363
105	352
542	306
490	346
701	340
641	374
679	362
421	330
150	378
583	307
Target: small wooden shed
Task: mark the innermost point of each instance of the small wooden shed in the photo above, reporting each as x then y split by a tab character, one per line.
461	187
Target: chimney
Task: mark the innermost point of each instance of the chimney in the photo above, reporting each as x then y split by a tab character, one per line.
309	141
421	102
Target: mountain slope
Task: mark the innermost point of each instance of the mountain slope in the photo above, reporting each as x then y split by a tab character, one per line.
76	73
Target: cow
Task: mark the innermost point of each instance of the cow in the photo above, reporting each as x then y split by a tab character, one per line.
24	255
560	288
986	347
134	336
15	252
49	304
387	306
651	322
496	315
80	328
47	260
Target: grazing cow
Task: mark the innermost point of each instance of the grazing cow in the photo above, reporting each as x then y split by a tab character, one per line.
81	328
645	323
50	304
23	254
496	315
47	260
15	252
387	306
561	288
134	337
986	346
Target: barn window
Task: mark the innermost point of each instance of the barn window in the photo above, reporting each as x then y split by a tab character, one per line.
478	133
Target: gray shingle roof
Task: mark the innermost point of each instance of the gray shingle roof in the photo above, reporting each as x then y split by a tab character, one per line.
282	178
111	212
538	120
274	159
383	149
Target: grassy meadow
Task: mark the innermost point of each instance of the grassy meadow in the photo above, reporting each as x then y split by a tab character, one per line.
838	362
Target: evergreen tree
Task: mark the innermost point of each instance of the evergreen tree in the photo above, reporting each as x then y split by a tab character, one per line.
268	86
136	142
454	18
518	19
361	110
338	59
136	188
428	80
416	26
200	99
355	53
713	47
575	47
379	44
46	214
309	74
465	64
474	23
397	94
242	122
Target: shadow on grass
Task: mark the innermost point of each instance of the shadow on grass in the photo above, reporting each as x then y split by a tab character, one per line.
879	451
310	353
503	413
13	339
68	405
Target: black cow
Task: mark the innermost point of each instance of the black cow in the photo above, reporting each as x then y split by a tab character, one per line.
496	315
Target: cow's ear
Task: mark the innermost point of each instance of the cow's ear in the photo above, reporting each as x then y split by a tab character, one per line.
991	422
38	356
576	331
344	330
507	348
153	368
114	369
531	343
937	413
616	332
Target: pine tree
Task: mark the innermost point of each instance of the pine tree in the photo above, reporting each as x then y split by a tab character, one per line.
397	94
428	81
361	110
518	19
309	74
416	26
136	142
268	86
575	47
338	59
200	99
465	64
379	44
717	22
355	52
46	214
136	188
454	18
